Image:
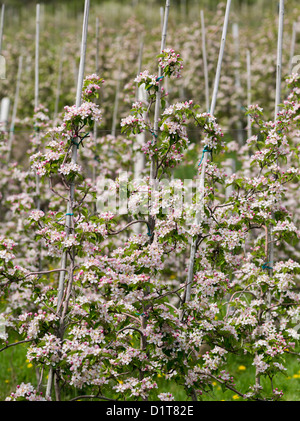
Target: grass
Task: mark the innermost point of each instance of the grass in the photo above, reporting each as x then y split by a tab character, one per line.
15	369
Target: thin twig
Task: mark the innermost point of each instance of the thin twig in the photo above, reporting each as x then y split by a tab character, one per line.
15	343
91	397
128	225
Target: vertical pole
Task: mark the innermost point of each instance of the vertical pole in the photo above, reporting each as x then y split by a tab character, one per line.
139	161
220	59
15	107
117	95
140	138
269	231
58	87
162	18
140	57
1	26
293	43
4	113
74	148
249	96
74	160
279	58
202	176
158	94
205	60
97	72
183	8
36	94
116	105
277	109
37	37
37	134
235	31
82	57
162	13
97	45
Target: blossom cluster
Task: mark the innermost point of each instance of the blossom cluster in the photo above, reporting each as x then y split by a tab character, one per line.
26	392
170	62
91	87
150	81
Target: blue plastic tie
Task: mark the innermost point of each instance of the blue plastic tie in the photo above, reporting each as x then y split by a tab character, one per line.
266	266
67	214
80	142
206	149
